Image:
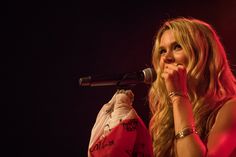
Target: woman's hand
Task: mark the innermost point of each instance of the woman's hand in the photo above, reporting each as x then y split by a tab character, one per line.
175	78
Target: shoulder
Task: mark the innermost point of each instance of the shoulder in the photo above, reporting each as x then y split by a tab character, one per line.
223	131
230	104
226	117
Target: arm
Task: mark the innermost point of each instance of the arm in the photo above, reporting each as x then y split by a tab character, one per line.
191	145
175	81
222	137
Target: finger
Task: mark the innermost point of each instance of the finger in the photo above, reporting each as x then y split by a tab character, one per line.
177	66
169	74
171	66
181	68
170	71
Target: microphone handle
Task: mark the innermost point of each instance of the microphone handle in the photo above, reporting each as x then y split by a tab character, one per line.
114	80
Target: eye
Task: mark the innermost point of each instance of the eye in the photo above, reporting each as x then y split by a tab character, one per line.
162	51
177	47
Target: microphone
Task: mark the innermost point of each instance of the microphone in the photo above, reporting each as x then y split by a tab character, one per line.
146	76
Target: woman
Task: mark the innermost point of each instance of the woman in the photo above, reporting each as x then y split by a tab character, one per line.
193	102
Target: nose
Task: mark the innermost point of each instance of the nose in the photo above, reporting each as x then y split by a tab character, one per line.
169	58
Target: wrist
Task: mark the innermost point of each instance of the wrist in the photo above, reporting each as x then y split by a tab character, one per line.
177	97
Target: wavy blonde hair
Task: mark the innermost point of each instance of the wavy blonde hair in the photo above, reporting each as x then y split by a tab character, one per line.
210	82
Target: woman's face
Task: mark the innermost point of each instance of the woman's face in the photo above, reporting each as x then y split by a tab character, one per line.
170	50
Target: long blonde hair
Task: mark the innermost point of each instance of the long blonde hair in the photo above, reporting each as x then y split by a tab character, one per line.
210	82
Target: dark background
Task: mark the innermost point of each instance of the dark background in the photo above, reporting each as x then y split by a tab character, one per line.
50	44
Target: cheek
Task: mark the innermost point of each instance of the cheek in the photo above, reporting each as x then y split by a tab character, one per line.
185	61
161	63
182	59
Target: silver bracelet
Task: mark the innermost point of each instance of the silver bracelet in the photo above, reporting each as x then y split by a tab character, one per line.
172	94
185	132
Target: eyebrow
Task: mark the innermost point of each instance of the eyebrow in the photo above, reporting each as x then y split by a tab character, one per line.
172	44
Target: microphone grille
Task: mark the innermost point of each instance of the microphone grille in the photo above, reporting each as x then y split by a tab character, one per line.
149	75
